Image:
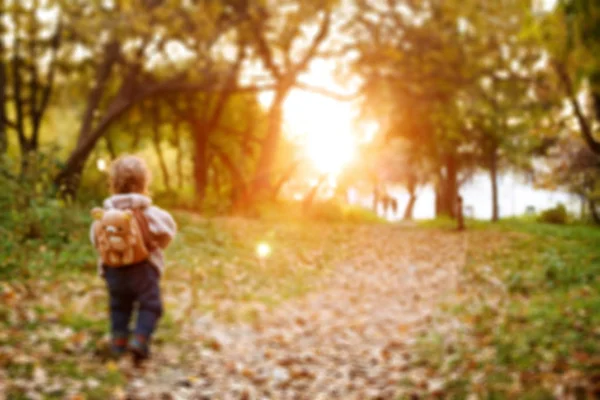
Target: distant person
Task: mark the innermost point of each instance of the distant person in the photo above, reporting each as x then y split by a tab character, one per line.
394	205
386	203
130	234
460	219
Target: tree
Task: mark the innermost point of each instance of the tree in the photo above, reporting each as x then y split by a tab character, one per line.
502	108
572	38
121	67
3	83
454	78
396	161
412	60
575	167
277	47
29	67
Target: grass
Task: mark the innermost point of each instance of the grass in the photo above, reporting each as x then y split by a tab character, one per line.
530	315
528	312
52	300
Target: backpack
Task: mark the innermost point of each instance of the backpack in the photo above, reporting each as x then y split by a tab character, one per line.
122	237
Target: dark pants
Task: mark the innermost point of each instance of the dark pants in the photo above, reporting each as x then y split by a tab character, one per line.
129	286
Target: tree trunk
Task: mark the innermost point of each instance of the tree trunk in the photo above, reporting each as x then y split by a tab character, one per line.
594	212
584	126
494	181
111	53
163	165
285	177
18	102
447	189
310	197
179	155
239	190
582	206
200	161
68	178
459	214
438	197
156	141
110	147
261	184
408	211
3	100
452	185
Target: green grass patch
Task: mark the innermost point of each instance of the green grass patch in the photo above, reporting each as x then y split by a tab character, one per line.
530	314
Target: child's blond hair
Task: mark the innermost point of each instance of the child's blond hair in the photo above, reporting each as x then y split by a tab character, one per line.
129	174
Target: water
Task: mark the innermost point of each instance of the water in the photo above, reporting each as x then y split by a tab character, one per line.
514	198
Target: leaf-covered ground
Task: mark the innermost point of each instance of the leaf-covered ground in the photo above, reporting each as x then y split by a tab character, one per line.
336	311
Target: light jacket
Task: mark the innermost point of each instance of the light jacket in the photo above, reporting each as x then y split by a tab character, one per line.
161	225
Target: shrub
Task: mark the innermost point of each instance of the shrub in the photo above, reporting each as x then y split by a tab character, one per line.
39	230
555	215
360	214
333	211
326	211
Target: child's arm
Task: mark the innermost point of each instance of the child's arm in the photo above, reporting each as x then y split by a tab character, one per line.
162	226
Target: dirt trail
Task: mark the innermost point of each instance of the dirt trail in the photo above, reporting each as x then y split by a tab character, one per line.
348	340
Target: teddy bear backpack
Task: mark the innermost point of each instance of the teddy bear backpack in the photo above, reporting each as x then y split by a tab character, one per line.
122	236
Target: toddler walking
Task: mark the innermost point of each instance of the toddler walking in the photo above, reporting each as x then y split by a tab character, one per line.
130	234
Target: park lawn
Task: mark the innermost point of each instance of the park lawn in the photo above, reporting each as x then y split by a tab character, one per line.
53	319
526	323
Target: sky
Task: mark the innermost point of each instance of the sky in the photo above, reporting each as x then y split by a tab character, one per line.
548	5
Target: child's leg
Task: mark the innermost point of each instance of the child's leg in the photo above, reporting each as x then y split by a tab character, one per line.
121	305
121	308
150	306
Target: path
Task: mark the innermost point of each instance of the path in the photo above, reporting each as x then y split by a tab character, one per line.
348	340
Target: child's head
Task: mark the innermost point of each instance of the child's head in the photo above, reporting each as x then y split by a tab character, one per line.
129	174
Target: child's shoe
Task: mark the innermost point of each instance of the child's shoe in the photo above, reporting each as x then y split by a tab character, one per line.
138	346
118	345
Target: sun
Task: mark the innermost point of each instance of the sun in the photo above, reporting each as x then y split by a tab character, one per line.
323	127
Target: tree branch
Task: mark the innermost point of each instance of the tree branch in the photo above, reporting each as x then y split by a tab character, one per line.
236	175
228	87
584	125
327	93
264	51
18	100
111	54
310	53
9	123
47	90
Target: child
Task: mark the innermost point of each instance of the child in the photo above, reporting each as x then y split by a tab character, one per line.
135	284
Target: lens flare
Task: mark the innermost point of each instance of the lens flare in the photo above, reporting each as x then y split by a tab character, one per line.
263	250
101	165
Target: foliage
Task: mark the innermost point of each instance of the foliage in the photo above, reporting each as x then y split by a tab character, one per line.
456	80
39	230
556	215
570	35
573	166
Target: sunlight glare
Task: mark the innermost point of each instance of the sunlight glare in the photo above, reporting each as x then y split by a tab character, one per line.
101	165
263	250
325	129
322	126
